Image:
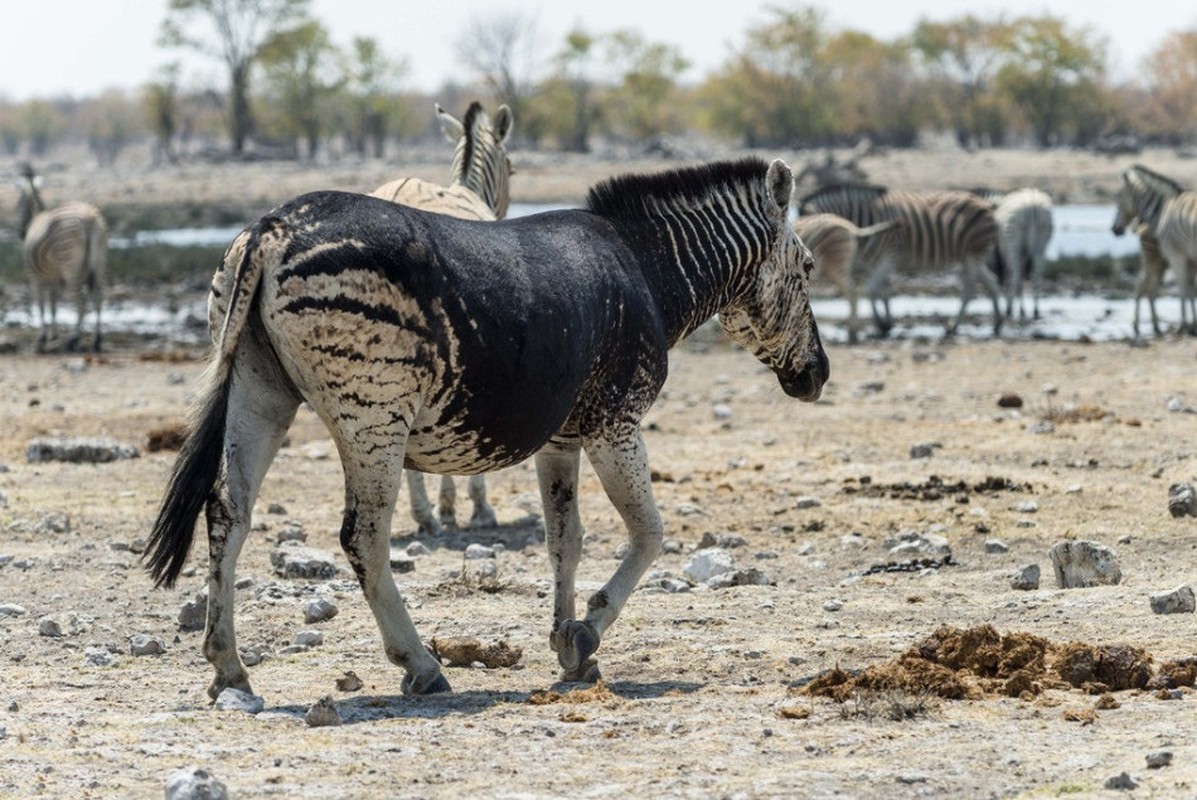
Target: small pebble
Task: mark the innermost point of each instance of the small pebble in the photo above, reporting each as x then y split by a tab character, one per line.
1160	758
477	552
1026	579
1178	601
310	638
49	627
833	605
996	546
194	783
349	682
319	610
236	700
1121	781
144	645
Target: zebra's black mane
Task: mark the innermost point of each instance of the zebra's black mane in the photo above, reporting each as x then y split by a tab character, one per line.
471	116
1154	179
633	196
872	191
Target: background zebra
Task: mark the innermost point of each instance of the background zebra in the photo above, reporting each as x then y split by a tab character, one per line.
65	251
479	188
934	230
834	241
1024	220
1170	213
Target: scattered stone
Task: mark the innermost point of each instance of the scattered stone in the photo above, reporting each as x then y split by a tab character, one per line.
48	626
236	700
319	610
1122	781
923	450
194	783
807	502
11	610
709	562
909	565
465	651
1042	426
291	533
253	655
741	577
1158	759
98	657
870	387
1178	601
1182	500
995	546
349	682
671	547
323	714
690	510
417	549
56	522
1178	406
276	508
1082	564
1010	400
668	584
294	560
78	450
310	638
727	541
721	411
483	569
1027	507
194	614
401	562
833	605
316	451
144	645
1026	579
911	543
477	551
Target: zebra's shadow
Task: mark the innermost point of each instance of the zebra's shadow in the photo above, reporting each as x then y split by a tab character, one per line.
511	535
374	708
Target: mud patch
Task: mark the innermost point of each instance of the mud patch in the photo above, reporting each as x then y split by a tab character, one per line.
933	489
464	651
973	663
599	693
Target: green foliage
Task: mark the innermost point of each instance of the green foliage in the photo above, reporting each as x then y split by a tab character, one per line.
302	78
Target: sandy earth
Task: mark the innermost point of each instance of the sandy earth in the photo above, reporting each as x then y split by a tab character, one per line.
702	697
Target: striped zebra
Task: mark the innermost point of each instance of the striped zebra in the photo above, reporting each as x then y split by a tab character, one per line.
834	242
65	250
935	230
456	346
1153	265
479	188
1024	220
1170	212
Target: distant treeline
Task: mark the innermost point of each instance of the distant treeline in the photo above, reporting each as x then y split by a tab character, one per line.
793	82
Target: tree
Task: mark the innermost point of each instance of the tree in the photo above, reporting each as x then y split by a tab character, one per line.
300	68
877	96
648	76
1171	77
109	123
160	101
371	79
1055	76
237	29
501	49
575	81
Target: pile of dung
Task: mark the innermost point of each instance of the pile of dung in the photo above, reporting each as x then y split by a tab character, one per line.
972	663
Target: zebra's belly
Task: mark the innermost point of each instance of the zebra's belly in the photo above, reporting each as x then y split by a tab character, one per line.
450	451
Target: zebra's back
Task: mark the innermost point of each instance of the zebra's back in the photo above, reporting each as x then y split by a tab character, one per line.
456	201
67	244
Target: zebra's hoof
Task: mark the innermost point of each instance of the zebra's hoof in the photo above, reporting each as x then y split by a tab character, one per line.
484	518
575	643
434	684
587	672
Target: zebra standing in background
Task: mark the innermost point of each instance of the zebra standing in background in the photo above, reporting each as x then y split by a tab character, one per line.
834	242
1024	220
1170	213
65	251
934	230
479	188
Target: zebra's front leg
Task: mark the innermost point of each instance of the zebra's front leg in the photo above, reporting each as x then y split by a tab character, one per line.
422	511
557	475
371	488
621	464
483	515
446	504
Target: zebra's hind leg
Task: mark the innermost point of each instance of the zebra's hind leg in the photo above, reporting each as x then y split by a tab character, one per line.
372	474
446	504
422	511
557	473
621	463
261	407
483	515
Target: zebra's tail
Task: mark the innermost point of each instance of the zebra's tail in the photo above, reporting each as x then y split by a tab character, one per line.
96	255
873	230
197	468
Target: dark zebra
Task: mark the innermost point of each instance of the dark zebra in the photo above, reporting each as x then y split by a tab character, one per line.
65	251
479	188
1170	213
455	346
935	230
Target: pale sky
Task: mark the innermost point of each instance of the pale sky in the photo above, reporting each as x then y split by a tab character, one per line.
80	47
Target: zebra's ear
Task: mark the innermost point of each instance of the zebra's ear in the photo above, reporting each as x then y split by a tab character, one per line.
504	122
450	125
780	182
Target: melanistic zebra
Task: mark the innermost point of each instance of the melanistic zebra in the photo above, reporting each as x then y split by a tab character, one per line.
479	188
834	242
65	251
1024	220
1170	213
455	346
935	230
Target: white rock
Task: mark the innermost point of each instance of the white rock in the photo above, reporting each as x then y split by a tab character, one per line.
236	700
479	551
709	562
319	610
144	645
194	783
310	638
1083	564
1178	601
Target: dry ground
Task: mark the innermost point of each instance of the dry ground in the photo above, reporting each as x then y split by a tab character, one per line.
702	682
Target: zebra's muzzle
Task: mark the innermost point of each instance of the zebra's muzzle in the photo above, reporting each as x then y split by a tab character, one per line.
807	383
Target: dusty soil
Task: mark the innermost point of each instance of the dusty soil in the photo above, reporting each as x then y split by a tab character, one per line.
706	692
